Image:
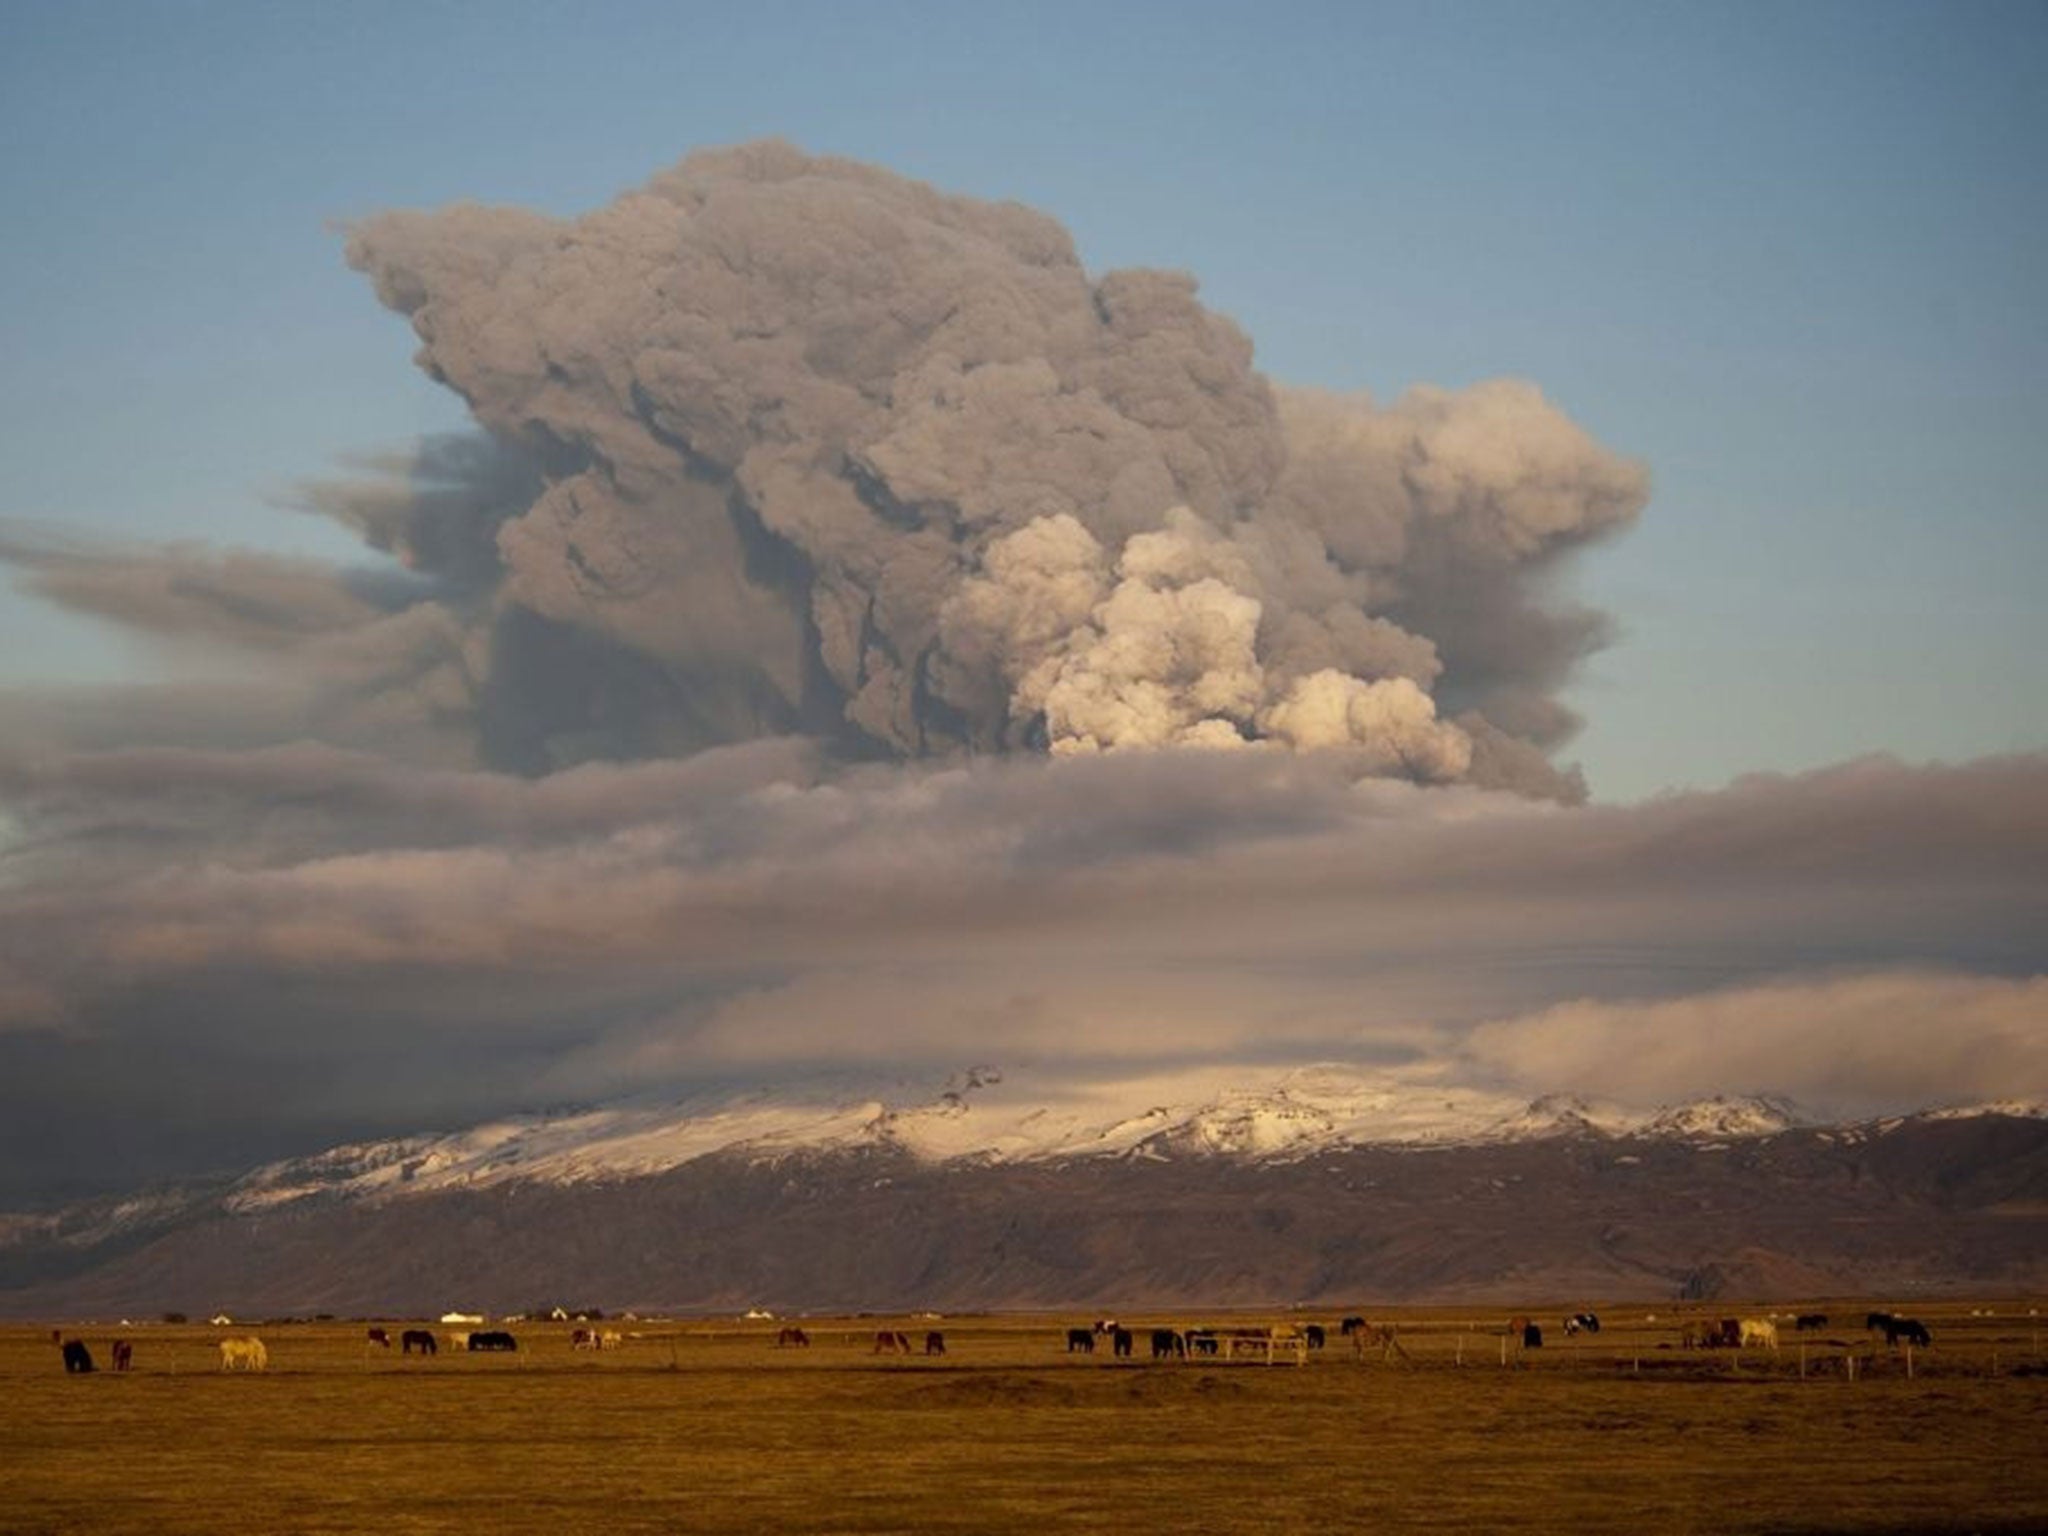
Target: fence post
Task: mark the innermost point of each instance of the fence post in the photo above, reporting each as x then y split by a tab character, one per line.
1909	1359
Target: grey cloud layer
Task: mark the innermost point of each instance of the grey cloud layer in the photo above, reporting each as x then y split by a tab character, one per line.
483	939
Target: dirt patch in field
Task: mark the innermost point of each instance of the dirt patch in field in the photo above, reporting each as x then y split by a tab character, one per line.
1176	1387
998	1389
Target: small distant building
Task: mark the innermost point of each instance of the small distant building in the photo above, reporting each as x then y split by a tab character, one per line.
221	1320
462	1317
757	1314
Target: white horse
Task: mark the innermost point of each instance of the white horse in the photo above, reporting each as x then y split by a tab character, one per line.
1759	1330
243	1355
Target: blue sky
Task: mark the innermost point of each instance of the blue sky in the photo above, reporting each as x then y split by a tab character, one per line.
1793	257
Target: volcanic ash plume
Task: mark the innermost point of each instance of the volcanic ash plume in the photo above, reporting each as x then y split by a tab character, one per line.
814	448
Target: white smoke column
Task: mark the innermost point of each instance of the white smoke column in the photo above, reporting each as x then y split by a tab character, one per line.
1392	723
1169	656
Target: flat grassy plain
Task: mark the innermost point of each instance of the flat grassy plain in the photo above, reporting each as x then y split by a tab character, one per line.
708	1426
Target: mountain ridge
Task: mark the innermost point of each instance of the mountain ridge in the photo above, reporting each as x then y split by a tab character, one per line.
1251	1201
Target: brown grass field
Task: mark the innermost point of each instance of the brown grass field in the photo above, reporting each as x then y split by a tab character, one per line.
708	1426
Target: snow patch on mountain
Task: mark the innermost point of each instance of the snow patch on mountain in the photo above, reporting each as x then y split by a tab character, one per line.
1011	1116
2018	1109
1720	1118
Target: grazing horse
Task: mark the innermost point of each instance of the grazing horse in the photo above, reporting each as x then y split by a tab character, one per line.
77	1358
1105	1325
1167	1343
1911	1329
1380	1337
1313	1332
1579	1321
1080	1340
1757	1330
1725	1333
379	1337
792	1338
1350	1325
124	1354
243	1355
416	1339
1532	1336
934	1342
1204	1341
610	1339
493	1341
1120	1343
1808	1322
889	1342
583	1338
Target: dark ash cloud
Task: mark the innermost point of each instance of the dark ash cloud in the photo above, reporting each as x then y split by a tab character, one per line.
781	444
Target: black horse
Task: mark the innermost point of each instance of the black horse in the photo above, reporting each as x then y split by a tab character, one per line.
77	1358
416	1339
1081	1340
492	1341
1911	1329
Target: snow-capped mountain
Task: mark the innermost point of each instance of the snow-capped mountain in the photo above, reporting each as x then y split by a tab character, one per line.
987	1115
1000	1189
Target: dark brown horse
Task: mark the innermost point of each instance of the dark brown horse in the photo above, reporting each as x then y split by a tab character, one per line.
416	1339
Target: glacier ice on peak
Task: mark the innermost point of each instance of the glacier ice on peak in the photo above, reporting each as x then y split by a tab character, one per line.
988	1114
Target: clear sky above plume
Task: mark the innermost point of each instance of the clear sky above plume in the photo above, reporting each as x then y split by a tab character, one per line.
486	585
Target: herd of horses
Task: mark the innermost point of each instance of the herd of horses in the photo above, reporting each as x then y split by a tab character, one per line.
249	1353
1183	1343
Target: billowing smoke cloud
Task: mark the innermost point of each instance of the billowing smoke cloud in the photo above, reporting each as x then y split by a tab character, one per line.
781	443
